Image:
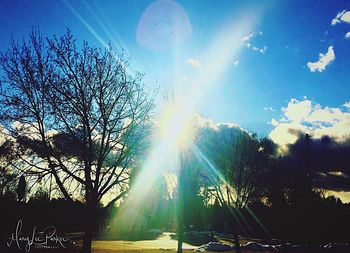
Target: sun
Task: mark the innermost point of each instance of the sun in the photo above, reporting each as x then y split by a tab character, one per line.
176	125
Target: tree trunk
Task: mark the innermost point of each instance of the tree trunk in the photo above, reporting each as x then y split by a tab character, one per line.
91	219
179	240
236	239
180	222
235	231
87	240
235	228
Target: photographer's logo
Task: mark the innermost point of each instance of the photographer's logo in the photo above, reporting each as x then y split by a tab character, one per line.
47	238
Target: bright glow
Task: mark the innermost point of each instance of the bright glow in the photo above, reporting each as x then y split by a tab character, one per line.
175	128
176	125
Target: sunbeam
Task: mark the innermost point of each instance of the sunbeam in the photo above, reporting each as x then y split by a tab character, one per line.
175	127
223	183
86	24
113	37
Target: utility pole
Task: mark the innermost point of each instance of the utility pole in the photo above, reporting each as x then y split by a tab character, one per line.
180	207
308	206
308	164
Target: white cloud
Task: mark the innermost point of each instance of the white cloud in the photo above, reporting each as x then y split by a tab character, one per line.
343	16
347	104
201	122
307	117
30	130
236	62
347	35
261	50
326	115
323	62
285	133
194	63
4	134
297	111
269	108
252	35
248	37
274	122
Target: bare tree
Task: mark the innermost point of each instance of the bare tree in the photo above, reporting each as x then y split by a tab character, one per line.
237	158
78	114
8	177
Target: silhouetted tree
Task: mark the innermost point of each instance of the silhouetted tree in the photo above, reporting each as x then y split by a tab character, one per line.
8	183
8	176
238	160
40	196
77	113
21	188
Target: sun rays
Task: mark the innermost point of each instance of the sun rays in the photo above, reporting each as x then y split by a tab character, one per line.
175	127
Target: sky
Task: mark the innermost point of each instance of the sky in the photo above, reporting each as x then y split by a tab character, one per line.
268	66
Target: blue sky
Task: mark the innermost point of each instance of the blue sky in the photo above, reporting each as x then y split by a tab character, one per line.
258	51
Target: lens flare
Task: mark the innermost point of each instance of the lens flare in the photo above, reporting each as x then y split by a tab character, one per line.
163	25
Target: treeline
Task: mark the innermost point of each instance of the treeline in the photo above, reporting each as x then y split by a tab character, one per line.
289	215
278	205
76	127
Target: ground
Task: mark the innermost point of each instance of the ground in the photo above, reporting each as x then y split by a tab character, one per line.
163	242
